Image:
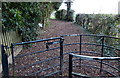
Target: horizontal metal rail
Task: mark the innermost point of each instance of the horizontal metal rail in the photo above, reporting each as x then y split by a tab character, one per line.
52	73
96	68
38	62
22	43
36	52
80	75
83	44
93	52
111	47
93	44
71	55
66	68
94	58
94	35
65	61
102	63
43	70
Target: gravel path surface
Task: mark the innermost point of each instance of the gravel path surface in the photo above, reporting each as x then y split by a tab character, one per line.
58	28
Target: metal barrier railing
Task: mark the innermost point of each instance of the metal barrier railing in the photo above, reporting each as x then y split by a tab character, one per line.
71	55
59	41
62	53
102	44
82	43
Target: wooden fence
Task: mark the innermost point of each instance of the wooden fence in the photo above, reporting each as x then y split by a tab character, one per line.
7	38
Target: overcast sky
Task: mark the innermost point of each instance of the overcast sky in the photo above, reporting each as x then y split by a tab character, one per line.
94	6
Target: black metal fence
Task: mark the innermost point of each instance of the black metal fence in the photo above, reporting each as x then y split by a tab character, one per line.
18	69
92	47
36	63
90	58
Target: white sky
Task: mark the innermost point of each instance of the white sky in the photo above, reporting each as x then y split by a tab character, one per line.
94	6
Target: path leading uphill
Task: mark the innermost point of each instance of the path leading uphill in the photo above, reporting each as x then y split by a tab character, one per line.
33	64
58	28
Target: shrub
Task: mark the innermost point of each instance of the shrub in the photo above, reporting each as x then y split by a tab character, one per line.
62	15
105	24
102	24
25	16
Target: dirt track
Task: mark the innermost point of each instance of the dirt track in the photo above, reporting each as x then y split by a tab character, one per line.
58	28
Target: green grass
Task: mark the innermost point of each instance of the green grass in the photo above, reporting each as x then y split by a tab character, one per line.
52	17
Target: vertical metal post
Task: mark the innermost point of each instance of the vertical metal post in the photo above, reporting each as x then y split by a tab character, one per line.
4	62
13	63
80	48
118	55
70	65
80	43
118	65
119	68
61	56
102	54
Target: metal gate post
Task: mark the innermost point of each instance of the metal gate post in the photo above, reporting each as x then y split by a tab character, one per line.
13	63
102	54
80	43
5	69
61	56
70	65
80	48
119	68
